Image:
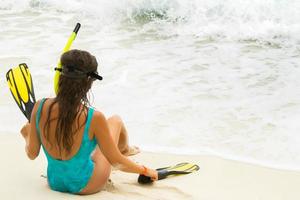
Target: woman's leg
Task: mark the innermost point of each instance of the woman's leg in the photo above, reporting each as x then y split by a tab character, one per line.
120	136
102	167
101	172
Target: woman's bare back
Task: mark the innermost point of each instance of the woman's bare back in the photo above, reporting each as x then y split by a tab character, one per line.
53	149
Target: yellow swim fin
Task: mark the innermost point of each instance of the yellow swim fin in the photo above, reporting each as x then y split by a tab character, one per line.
21	87
181	168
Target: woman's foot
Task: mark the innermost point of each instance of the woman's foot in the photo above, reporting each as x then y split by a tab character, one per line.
130	151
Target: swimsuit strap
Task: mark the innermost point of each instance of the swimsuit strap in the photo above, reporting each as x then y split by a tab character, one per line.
38	116
88	123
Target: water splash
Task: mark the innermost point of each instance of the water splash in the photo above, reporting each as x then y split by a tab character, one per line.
270	20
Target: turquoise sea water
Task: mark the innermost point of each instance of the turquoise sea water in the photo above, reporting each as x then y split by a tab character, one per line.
190	77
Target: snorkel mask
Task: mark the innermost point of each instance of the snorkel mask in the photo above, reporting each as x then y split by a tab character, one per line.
73	72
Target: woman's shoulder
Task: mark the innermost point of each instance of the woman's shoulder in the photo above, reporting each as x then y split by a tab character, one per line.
98	120
44	100
36	107
38	103
98	115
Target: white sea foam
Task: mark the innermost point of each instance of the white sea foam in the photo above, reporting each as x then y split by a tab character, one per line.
218	77
232	19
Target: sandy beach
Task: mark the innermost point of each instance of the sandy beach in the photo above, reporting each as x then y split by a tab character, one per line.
186	76
217	179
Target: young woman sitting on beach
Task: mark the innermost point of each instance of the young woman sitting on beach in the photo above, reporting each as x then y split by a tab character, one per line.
80	144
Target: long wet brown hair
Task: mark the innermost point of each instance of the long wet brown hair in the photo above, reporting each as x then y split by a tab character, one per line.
71	99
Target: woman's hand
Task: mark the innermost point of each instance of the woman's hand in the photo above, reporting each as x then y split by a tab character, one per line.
153	174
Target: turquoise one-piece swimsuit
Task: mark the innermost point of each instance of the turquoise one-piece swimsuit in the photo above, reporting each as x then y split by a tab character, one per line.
70	175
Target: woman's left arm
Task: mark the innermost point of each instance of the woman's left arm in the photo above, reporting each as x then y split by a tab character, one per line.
29	133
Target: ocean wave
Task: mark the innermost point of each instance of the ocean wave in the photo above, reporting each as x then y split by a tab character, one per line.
273	21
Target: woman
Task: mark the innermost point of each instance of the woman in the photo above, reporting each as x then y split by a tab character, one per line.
80	144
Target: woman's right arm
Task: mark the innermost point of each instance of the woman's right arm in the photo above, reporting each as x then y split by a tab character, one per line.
111	152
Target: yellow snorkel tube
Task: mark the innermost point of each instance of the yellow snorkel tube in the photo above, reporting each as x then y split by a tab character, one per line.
67	47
